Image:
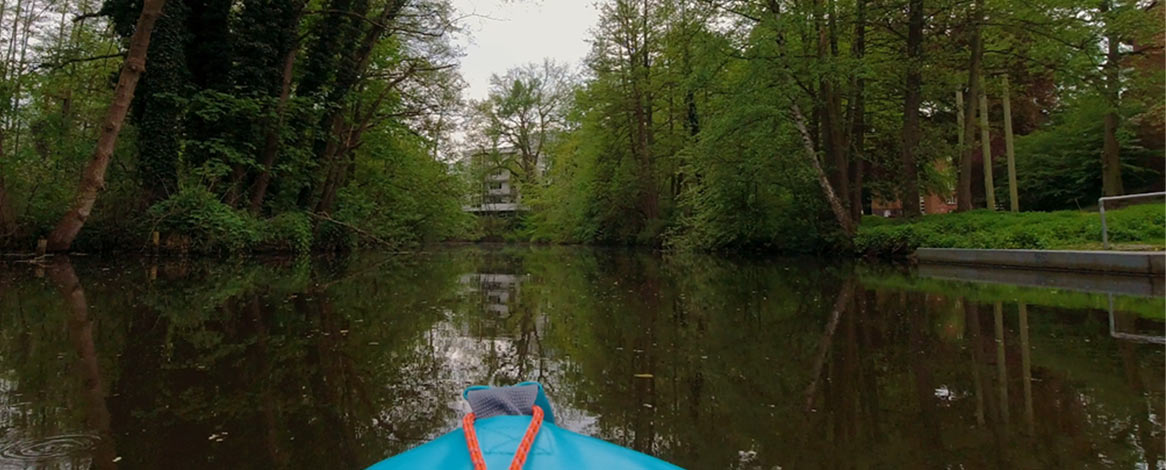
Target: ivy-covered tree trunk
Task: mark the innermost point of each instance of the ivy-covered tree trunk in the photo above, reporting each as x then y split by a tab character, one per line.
911	131
158	109
964	179
93	177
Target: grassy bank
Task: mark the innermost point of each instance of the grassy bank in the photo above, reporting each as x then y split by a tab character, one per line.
1143	225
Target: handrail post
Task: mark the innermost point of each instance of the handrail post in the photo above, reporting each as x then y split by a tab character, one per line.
1104	228
1128	197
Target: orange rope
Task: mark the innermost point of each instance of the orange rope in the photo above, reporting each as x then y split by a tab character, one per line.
523	447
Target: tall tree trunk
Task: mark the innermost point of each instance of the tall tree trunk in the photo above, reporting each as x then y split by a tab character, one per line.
858	116
271	139
346	80
17	82
908	166
836	204
651	197
93	177
1111	182
1010	149
964	182
330	154
833	140
986	153
161	123
7	219
640	112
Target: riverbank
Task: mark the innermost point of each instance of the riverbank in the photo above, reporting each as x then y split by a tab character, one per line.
1134	228
227	232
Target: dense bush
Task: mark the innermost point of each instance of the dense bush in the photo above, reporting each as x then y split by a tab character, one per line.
1144	224
288	232
195	220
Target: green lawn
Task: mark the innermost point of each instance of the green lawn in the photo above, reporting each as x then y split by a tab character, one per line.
1141	227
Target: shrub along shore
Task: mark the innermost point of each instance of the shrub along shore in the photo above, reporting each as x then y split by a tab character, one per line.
203	226
1140	227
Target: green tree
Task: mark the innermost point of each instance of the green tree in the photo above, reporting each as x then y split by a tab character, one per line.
524	112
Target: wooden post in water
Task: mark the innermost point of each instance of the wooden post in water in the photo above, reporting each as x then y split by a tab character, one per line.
1009	150
986	148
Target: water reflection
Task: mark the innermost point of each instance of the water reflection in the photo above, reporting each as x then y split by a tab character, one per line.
708	362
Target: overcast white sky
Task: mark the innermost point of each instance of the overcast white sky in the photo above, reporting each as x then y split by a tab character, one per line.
510	33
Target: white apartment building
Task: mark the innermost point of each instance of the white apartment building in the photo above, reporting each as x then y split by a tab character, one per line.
498	191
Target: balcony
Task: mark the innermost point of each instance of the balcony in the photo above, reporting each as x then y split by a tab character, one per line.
499	207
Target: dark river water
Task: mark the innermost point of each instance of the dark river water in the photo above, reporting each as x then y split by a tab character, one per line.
708	362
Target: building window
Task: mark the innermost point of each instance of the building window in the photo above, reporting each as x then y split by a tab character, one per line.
495	185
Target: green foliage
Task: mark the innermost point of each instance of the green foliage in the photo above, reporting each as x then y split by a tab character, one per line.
1142	224
198	221
236	93
1058	166
682	134
712	90
400	195
288	232
160	101
195	220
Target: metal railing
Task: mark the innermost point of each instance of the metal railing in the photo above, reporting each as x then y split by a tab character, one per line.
1101	208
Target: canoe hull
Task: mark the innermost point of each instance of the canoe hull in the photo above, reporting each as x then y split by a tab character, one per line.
555	448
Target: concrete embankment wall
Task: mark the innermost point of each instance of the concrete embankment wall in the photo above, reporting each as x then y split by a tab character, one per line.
1110	262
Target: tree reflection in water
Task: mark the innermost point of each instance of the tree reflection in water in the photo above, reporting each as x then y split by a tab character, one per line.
708	362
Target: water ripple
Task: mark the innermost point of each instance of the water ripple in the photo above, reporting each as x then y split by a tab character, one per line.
48	448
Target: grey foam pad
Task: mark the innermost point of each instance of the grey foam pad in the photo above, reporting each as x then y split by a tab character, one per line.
503	401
